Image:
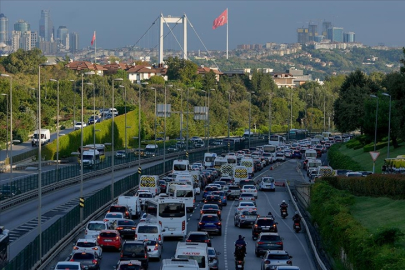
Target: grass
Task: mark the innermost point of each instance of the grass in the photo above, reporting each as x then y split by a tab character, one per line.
364	158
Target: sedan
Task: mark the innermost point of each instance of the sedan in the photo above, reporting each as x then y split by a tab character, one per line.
268	241
245	218
88	245
110	217
213	259
79	125
199	237
251	189
274	258
247	197
210	224
126	228
88	260
211	209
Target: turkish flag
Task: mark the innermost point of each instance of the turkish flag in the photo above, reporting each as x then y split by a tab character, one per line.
221	20
94	38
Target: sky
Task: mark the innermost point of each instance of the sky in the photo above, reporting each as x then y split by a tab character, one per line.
122	23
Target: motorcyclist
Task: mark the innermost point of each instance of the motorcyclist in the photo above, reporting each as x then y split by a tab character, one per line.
240	247
296	217
270	214
283	205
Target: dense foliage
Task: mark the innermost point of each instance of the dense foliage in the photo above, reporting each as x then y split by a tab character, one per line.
346	239
341	161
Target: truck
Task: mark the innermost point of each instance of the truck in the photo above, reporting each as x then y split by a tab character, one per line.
91	158
249	164
44	138
133	204
325	171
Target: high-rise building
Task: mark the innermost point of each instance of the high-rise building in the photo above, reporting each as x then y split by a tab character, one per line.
15	40
22	26
349	37
34	39
325	27
61	34
312	31
74	42
335	34
303	35
46	30
25	41
3	28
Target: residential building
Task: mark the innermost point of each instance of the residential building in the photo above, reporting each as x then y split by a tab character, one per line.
46	30
25	41
86	65
3	28
138	73
22	26
48	47
349	37
15	40
34	39
284	80
74	42
204	70
335	34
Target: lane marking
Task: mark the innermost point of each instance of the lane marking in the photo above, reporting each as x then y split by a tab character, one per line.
226	236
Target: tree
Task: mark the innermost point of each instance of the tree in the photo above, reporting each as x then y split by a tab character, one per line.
24	61
182	70
159	80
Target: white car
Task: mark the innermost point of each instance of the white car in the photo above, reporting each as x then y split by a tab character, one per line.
88	246
120	154
93	228
110	217
243	205
267	183
68	265
247	197
79	125
280	156
154	249
249	189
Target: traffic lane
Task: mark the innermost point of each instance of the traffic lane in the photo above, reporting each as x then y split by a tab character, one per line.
21	174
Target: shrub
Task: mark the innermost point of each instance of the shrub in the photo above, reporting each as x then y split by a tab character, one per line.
370	147
341	161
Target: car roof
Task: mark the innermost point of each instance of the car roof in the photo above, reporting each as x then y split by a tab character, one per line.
92	240
278	252
269	233
198	232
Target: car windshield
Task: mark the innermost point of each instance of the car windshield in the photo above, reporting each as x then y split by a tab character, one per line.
268	180
150	242
148	229
210	218
198	237
108	234
118	209
126	222
210	207
249	213
246	195
85	244
96	226
67	267
172	210
133	248
114	215
249	187
246	204
265	222
278	257
83	256
129	267
184	193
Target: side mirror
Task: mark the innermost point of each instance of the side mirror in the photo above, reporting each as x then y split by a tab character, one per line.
163	230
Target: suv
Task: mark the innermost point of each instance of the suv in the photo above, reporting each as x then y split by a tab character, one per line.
233	192
88	260
198	237
263	224
135	250
268	241
121	208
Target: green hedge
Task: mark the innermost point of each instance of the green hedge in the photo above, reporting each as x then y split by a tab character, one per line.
71	142
377	185
370	147
330	209
341	161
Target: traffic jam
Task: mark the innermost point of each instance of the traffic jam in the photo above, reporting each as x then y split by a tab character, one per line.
184	218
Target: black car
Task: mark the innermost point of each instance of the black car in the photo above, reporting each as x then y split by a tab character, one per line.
173	149
211	209
88	260
135	250
125	227
213	199
263	224
92	118
199	237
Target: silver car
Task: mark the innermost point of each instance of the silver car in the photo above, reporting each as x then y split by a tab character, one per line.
274	258
154	249
245	218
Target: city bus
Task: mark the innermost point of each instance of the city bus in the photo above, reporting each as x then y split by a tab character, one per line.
298	134
277	140
171	213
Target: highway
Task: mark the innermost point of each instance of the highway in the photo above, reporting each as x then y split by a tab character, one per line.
294	243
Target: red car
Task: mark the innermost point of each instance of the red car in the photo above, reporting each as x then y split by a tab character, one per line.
109	238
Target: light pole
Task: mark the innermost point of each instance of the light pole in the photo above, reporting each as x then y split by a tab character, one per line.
229	119
375	129
164	133
181	114
57	128
94	118
154	118
250	113
139	136
74	101
324	111
40	160
112	141
269	116
208	119
206	115
125	117
188	113
389	124
291	113
312	96
6	95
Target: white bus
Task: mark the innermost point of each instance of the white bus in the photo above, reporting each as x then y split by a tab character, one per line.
171	213
276	140
181	165
185	192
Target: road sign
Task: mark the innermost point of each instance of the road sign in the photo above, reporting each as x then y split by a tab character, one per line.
81	202
139	170
374	155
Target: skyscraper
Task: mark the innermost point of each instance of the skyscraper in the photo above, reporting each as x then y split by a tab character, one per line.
22	26
303	35
46	30
325	27
312	31
349	37
3	28
61	34
335	34
15	40
74	42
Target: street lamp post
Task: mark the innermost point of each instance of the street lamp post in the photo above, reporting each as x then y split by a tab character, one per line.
74	101
188	113
139	136
112	141
154	118
375	129
229	119
6	95
389	125
181	114
312	96
125	117
94	117
208	119
324	111
250	113
269	116
164	133
206	116
57	128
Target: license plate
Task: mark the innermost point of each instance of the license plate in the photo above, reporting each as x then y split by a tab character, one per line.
107	240
210	224
297	227
266	229
171	229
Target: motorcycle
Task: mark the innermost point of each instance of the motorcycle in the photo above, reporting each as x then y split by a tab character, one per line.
284	213
297	226
239	264
239	257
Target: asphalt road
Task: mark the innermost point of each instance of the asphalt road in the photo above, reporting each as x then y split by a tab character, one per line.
294	243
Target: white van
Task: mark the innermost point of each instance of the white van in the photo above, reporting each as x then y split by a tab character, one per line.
181	165
99	147
310	153
45	137
133	204
249	164
209	159
151	150
149	183
149	229
194	251
185	192
240	173
219	161
113	111
313	164
179	264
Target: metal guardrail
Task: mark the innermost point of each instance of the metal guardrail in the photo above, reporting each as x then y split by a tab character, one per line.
320	263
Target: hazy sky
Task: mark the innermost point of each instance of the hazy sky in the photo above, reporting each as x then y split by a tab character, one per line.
121	23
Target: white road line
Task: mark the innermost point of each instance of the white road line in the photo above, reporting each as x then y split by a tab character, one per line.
226	236
295	234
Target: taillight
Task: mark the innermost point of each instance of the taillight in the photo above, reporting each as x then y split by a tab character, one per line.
117	238
72	260
95	248
136	236
160	238
156	247
206	241
218	223
199	223
256	225
94	261
75	248
119	228
201	211
260	243
98	237
183	225
266	261
105	220
289	262
188	240
279	243
240	198
242	216
146	255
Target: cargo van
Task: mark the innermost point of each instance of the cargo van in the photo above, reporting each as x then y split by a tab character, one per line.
133	204
248	163
179	264
181	165
209	159
151	150
240	173
44	138
150	230
194	251
149	183
91	158
185	192
113	111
